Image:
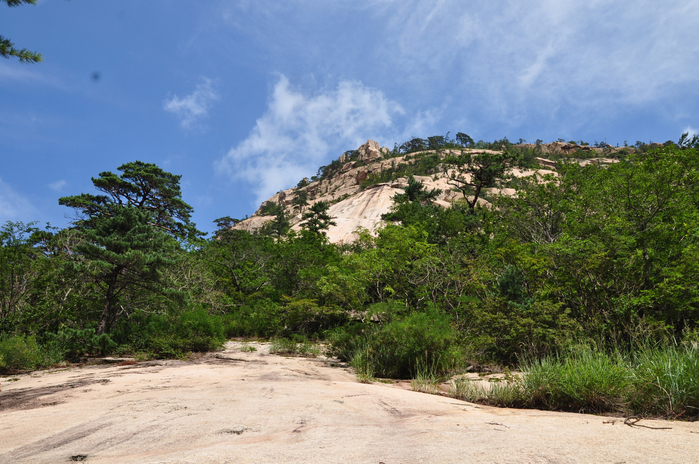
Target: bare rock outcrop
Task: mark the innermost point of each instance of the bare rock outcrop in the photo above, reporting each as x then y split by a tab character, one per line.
355	204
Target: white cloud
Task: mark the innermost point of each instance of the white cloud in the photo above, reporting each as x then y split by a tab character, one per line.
690	130
58	185
299	132
14	206
193	107
505	60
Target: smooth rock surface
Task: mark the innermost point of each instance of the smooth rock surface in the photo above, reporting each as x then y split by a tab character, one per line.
234	406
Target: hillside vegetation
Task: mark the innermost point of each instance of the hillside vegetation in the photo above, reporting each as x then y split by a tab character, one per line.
583	269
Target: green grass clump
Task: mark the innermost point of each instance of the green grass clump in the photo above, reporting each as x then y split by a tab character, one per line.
666	382
291	347
581	381
654	381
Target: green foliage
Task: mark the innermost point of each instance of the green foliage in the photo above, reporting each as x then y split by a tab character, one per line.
292	347
257	318
304	316
666	381
398	348
17	270
130	233
143	186
658	381
19	352
239	262
74	343
300	201
473	172
173	335
317	220
270	208
582	381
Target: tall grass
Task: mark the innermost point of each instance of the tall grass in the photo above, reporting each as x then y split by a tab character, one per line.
654	381
667	382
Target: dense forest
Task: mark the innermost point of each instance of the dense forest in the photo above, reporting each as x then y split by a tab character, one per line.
596	265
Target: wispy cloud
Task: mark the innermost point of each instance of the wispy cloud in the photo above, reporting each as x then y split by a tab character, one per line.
690	130
58	185
13	205
194	107
505	61
298	132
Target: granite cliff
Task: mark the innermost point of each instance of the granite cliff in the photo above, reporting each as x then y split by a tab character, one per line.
358	198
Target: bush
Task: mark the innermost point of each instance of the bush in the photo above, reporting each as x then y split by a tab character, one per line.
20	353
259	318
167	336
73	343
399	348
503	331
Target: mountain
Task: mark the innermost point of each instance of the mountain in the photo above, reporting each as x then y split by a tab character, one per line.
360	184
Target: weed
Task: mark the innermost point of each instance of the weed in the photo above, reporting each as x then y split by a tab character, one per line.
245	348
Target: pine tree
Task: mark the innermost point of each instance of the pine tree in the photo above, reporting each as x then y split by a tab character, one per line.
7	48
317	218
131	234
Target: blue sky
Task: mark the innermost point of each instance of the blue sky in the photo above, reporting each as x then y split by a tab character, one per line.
246	97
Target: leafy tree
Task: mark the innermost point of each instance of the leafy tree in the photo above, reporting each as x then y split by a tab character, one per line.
317	219
240	262
7	48
131	233
17	273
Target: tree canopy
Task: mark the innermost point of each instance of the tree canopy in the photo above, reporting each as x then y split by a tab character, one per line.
141	185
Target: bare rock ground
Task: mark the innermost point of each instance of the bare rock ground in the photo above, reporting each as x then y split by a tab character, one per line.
234	406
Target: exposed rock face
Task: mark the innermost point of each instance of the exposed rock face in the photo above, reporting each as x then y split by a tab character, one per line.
352	206
369	151
563	148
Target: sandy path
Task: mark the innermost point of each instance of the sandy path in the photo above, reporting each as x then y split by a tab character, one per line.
234	407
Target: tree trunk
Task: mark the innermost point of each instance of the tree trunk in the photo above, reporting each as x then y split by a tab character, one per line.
107	318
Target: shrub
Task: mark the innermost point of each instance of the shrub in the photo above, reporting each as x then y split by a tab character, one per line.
398	348
73	343
259	318
166	336
19	353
